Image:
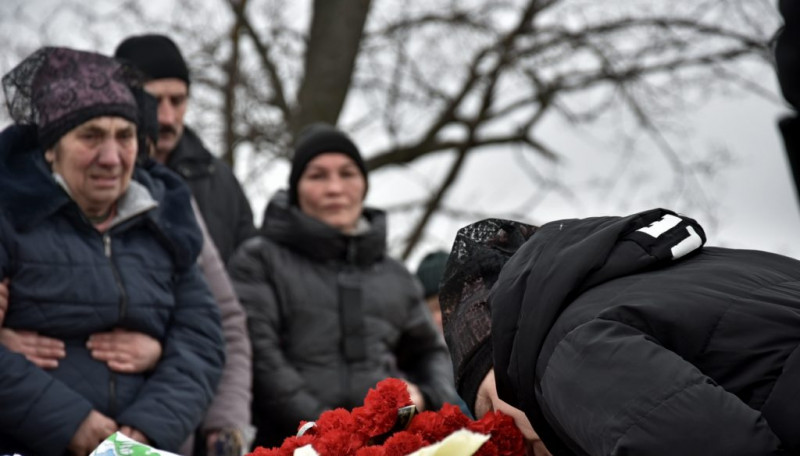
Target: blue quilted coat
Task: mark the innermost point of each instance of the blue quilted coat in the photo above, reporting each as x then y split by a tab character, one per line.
69	281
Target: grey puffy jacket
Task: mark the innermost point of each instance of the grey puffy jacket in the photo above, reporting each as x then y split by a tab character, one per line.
329	316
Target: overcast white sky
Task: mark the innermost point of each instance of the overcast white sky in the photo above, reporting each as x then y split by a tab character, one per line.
760	197
753	197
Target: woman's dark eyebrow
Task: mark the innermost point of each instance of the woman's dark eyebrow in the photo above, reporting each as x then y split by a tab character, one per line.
91	128
127	129
96	129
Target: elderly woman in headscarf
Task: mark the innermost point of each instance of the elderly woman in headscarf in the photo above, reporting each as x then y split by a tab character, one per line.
330	314
91	244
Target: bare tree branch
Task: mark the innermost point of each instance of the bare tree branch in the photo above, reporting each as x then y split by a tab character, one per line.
263	51
232	73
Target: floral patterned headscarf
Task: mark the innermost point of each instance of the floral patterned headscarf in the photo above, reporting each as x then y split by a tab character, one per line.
58	88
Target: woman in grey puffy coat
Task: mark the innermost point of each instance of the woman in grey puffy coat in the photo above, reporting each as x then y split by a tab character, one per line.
329	313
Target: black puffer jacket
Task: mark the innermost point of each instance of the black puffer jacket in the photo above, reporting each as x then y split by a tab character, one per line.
612	345
329	316
219	196
787	62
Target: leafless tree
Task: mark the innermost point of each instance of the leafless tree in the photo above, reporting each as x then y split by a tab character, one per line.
432	86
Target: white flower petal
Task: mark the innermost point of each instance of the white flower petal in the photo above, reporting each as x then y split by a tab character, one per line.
459	443
307	450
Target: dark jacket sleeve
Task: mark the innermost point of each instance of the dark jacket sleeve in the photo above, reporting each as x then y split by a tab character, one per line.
175	397
615	390
278	389
230	408
422	355
36	409
230	231
787	61
245	229
787	52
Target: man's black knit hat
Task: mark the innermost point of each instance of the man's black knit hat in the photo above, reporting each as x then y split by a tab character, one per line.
319	138
157	56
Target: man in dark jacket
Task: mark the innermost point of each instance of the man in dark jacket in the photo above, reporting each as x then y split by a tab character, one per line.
226	425
787	60
90	244
222	202
622	335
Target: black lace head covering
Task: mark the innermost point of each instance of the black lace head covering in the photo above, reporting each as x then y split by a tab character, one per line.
479	253
58	88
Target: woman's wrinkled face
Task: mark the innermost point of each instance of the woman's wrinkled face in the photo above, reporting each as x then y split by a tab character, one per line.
96	161
331	189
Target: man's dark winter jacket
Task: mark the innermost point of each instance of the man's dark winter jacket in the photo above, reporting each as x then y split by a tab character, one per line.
787	62
69	281
329	316
222	202
614	343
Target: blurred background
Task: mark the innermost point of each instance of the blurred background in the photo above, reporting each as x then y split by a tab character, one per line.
533	110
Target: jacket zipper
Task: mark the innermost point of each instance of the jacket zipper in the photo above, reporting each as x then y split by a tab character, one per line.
350	260
123	304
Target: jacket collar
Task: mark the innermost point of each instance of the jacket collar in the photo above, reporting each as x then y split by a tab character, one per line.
190	158
173	217
135	201
30	193
286	224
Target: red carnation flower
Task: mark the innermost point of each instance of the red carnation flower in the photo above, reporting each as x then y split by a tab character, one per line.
342	433
508	438
402	443
379	413
490	449
429	426
333	420
435	426
337	442
261	451
505	436
286	449
454	418
371	451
